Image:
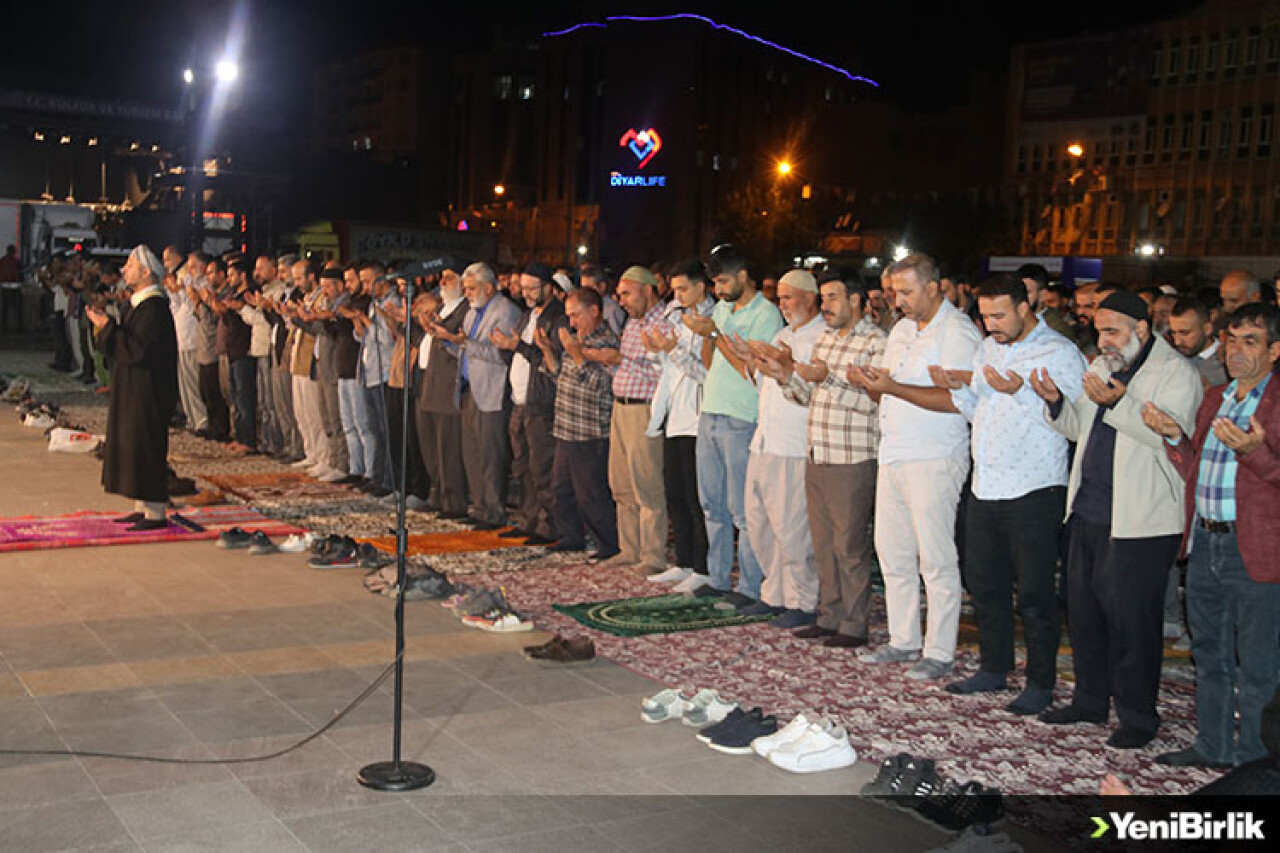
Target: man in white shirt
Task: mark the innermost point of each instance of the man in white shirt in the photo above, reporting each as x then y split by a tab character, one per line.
187	327
924	458
1019	488
777	513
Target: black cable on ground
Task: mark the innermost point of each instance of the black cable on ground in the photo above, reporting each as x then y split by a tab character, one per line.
157	759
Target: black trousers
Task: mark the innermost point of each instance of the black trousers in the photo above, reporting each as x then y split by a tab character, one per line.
486	452
533	453
1012	544
688	522
418	482
1115	592
62	357
583	500
440	440
211	393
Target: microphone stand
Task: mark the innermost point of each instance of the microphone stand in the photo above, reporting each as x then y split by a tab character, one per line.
397	775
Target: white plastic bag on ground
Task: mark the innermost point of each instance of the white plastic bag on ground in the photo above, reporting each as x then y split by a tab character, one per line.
72	441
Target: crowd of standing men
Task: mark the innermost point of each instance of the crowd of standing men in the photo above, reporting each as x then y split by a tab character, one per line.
1014	440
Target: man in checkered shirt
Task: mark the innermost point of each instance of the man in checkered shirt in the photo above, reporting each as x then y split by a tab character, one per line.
584	403
840	473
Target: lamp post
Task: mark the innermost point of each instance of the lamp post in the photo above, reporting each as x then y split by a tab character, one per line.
203	102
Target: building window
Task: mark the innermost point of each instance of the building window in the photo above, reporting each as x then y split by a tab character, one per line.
1175	50
1246	132
1211	56
1229	47
1149	143
526	89
1022	158
1166	138
1206	130
1271	51
1251	50
1264	130
1035	157
1224	133
502	85
1188	133
1192	65
1157	62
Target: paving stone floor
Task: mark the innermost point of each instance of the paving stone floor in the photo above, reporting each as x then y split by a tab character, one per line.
185	650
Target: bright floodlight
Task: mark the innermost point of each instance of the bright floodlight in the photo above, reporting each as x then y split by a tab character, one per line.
1075	149
1147	250
900	252
227	71
784	168
188	76
582	250
499	189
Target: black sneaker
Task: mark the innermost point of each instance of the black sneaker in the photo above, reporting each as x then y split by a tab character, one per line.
736	739
739	600
260	543
919	779
956	807
890	769
707	732
235	538
345	556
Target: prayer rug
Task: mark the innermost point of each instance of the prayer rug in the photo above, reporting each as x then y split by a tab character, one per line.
81	529
280	486
454	542
656	614
971	737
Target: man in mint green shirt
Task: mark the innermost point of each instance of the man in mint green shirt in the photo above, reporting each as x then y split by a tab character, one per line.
730	402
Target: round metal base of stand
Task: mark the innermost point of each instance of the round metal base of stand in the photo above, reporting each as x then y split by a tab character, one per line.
390	776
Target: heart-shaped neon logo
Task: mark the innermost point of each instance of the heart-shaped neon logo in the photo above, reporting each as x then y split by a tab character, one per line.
642	143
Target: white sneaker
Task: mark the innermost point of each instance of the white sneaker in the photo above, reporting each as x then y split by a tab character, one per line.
303	463
762	746
675	574
691	583
507	623
332	475
816	750
662	706
295	544
706	707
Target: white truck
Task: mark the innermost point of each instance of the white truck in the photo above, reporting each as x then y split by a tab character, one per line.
41	229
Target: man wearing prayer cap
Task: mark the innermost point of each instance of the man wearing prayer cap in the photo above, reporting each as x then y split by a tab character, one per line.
1125	510
142	349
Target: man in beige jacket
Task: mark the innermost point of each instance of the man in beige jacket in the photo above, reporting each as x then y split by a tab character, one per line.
1125	510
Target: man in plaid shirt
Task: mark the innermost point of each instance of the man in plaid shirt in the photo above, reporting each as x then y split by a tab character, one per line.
635	459
584	402
840	474
1230	463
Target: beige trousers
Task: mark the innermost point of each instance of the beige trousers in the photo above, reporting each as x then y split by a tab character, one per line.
635	478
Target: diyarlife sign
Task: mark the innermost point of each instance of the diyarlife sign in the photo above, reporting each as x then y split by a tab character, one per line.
643	145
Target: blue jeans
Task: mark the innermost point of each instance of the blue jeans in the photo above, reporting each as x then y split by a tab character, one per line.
244	394
356	426
723	446
1229	614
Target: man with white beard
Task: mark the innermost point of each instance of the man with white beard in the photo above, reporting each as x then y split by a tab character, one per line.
1125	508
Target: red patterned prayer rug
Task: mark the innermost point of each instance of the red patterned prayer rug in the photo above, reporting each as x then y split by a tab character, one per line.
80	529
971	737
290	487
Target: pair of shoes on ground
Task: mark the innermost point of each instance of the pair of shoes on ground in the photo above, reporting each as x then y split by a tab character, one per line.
703	708
913	783
525	537
561	651
1032	700
427	585
257	542
349	554
786	618
807	746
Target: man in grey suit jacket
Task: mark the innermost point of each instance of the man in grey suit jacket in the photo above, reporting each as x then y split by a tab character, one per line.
481	393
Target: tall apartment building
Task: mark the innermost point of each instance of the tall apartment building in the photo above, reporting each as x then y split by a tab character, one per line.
1175	127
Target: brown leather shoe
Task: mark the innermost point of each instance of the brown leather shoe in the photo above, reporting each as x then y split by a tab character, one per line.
566	652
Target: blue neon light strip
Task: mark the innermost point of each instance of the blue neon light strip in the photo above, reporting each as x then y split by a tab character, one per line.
737	32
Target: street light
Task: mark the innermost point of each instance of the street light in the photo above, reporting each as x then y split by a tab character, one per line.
226	71
1075	149
188	76
784	168
499	189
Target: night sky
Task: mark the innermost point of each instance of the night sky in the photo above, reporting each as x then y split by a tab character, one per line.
136	50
